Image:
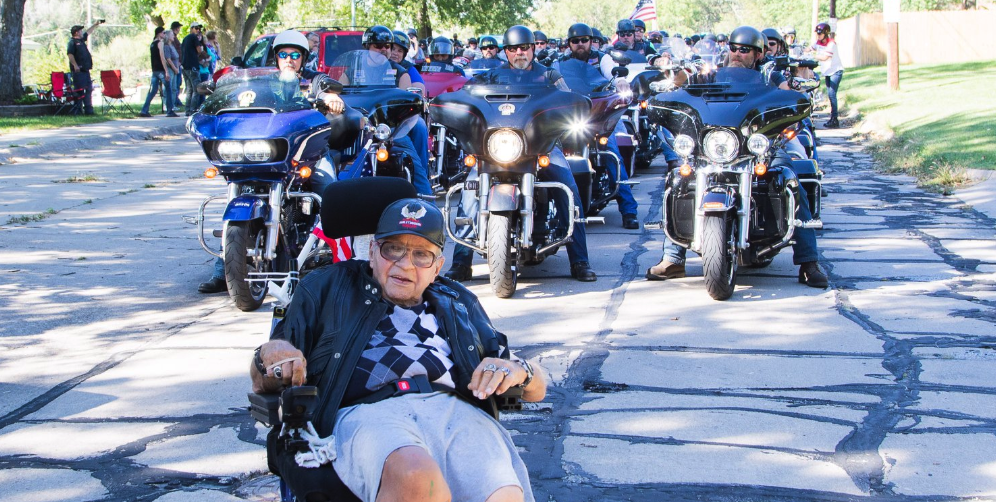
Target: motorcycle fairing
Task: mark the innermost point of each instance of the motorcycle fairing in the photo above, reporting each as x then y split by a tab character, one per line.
437	83
503	197
246	208
727	199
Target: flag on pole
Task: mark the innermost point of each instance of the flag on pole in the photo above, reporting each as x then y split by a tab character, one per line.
645	11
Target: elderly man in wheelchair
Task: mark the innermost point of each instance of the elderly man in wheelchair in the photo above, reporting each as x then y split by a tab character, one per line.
390	378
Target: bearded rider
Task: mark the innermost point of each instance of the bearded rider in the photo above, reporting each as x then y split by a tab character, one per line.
441	58
579	37
489	47
747	46
519	46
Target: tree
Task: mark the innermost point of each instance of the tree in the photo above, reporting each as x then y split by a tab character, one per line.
11	29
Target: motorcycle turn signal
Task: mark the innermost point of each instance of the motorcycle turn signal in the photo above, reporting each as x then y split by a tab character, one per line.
382	154
210	172
685	170
543	161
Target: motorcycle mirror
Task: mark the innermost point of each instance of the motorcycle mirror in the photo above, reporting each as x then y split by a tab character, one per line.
327	84
237	61
205	88
620	71
620	57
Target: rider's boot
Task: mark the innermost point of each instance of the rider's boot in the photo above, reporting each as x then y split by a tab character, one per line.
811	275
665	270
583	272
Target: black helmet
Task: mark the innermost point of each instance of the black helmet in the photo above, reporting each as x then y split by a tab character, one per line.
401	38
411	32
664	34
722	37
678	35
598	34
487	41
471	40
823	29
518	35
625	25
695	39
655	36
539	36
378	35
772	34
710	37
441	45
579	30
749	36
638	23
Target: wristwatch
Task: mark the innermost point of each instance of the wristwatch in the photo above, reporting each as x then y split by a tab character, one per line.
257	361
529	373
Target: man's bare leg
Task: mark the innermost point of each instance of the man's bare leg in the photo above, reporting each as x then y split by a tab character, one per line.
506	494
411	475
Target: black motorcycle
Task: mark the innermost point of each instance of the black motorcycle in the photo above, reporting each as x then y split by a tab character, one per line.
509	122
732	200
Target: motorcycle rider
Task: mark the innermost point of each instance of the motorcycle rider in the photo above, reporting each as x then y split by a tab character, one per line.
579	37
746	48
776	44
441	57
519	47
543	49
641	45
598	40
626	31
473	51
489	47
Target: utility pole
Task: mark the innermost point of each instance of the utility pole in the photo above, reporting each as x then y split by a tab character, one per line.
833	17
890	14
816	16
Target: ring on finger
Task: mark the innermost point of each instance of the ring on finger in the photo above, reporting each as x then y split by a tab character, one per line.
278	372
505	370
491	367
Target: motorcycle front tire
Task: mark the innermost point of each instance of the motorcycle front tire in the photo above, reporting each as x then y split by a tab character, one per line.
719	260
240	238
501	259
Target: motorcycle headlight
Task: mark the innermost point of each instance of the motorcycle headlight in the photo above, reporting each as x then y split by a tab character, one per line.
505	146
382	132
230	151
684	145
758	144
257	150
720	145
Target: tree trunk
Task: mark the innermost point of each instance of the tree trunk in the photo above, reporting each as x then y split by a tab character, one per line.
234	21
424	24
11	29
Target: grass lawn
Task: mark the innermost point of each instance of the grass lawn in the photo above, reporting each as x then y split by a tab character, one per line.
10	125
943	117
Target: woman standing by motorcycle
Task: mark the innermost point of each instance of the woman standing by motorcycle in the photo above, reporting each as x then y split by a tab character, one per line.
831	68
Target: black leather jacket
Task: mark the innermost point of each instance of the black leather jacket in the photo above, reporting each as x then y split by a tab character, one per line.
336	310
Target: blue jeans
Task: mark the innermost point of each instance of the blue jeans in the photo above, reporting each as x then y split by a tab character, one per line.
419	135
627	203
803	251
219	269
191	78
833	82
81	80
159	79
420	178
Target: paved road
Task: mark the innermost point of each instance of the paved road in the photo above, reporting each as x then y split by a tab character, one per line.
119	382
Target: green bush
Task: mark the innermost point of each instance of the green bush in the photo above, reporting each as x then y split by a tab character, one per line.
27	99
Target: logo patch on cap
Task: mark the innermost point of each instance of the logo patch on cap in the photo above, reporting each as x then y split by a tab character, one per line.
411	214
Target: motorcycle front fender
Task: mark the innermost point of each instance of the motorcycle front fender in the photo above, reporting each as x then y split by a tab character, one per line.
503	197
246	208
718	201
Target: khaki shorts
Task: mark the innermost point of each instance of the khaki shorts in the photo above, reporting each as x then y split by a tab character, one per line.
474	452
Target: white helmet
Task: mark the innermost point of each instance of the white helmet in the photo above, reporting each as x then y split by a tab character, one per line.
291	38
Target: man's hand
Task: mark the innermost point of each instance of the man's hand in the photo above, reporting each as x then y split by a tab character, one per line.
495	376
334	103
285	366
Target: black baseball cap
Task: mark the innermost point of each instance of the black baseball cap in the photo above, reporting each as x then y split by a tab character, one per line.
414	217
76	29
174	25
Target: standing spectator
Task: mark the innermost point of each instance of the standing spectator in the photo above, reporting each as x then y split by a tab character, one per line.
190	51
162	74
173	64
213	49
415	53
80	63
831	67
313	41
175	42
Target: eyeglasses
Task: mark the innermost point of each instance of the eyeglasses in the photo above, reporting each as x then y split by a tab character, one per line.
293	55
489	47
394	252
380	47
772	43
541	43
742	49
519	48
641	30
580	40
625	33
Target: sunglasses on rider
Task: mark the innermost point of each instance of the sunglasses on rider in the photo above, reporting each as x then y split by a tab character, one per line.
293	55
742	49
540	42
772	43
394	252
519	48
489	47
580	40
625	33
641	30
380	47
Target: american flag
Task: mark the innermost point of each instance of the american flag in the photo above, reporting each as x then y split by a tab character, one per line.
645	11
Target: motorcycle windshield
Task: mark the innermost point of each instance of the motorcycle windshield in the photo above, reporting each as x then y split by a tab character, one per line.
679	50
257	89
708	50
738	98
581	77
364	68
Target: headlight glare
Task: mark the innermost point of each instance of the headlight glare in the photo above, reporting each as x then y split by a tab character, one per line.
684	145
505	146
721	145
257	150
758	143
230	151
382	132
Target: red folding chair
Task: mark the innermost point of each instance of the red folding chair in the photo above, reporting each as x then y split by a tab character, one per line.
114	96
65	94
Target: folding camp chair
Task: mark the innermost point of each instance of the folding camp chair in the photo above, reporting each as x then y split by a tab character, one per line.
114	97
65	94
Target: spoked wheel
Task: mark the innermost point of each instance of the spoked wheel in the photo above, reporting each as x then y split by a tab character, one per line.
245	244
501	258
719	258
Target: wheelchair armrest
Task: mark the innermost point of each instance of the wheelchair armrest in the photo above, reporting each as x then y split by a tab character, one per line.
509	401
265	408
